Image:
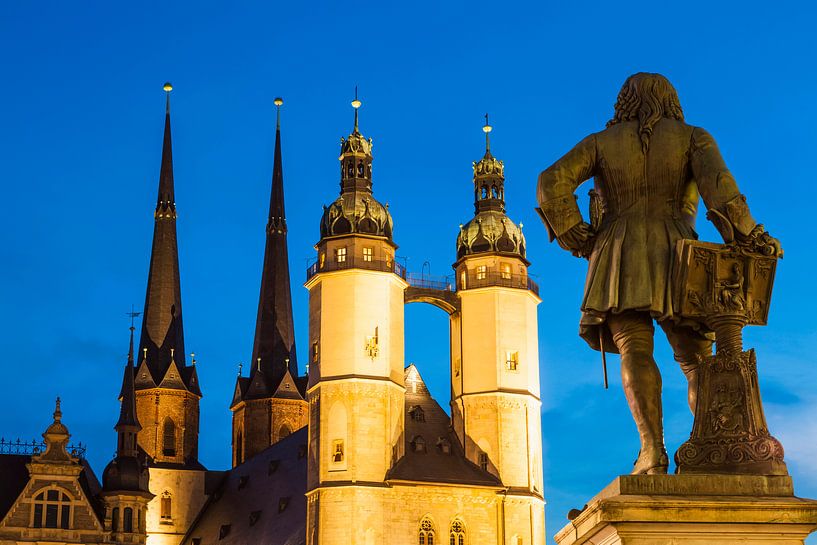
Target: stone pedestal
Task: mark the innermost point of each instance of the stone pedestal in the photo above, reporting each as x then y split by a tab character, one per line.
693	510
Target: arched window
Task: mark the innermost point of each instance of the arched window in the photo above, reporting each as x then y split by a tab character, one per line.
284	432
52	509
494	192
360	170
457	534
426	536
115	519
169	437
127	522
484	192
166	506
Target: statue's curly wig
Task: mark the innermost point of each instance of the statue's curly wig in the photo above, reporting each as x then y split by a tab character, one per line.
647	98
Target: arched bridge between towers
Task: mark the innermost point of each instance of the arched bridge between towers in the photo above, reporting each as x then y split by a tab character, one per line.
438	291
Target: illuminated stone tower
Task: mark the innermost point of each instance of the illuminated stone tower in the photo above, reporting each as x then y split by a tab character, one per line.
167	390
356	390
269	404
495	358
125	480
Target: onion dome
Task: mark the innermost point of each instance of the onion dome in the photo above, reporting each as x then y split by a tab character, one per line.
356	211
490	231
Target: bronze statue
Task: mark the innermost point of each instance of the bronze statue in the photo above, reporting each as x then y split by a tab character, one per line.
649	168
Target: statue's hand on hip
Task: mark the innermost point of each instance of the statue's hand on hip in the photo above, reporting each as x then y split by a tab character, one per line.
578	240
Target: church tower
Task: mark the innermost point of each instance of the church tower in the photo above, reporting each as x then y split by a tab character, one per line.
167	390
125	480
356	388
495	357
269	404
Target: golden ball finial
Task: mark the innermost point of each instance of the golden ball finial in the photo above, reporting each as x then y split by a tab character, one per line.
278	101
167	87
487	129
356	104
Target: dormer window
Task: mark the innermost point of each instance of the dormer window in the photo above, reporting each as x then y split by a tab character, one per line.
418	444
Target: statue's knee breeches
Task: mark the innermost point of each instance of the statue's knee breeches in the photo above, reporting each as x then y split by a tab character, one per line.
688	346
633	333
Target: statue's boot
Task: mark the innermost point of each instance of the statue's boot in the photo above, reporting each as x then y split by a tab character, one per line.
633	335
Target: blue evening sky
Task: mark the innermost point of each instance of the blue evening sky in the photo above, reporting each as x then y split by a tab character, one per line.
82	111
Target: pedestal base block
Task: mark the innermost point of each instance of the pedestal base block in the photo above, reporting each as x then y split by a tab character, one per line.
693	510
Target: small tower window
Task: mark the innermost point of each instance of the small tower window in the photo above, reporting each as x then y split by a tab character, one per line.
239	448
340	255
166	507
52	509
360	170
388	260
115	519
512	361
337	451
315	352
505	271
322	260
494	192
482	272
169	437
127	520
426	536
462	280
484	192
350	169
367	254
457	534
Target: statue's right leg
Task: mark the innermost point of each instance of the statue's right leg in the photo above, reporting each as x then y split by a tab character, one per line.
632	333
688	346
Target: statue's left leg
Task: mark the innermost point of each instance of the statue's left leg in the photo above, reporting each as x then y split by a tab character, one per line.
687	346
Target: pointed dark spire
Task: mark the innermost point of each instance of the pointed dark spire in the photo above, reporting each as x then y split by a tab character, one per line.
162	324
128	421
274	347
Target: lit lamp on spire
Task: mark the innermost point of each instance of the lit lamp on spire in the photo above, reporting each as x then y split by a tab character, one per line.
356	104
487	130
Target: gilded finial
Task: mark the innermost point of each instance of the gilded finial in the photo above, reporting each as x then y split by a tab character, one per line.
172	353
259	364
145	353
57	411
487	129
167	88
278	103
240	367
193	358
356	104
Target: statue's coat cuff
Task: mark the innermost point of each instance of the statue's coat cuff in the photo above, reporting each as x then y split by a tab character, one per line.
560	215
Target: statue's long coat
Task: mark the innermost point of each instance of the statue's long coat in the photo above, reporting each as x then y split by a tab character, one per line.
650	201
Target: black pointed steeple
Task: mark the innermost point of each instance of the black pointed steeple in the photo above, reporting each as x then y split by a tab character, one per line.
274	346
162	330
128	424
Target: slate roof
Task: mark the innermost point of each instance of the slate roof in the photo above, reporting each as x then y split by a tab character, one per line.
433	464
260	501
14	476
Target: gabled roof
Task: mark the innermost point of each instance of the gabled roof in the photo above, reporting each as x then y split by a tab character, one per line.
260	501
434	464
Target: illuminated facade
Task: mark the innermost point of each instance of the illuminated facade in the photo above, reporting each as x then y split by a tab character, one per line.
357	451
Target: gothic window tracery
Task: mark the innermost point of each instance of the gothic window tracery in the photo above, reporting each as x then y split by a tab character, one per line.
426	534
457	534
52	509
